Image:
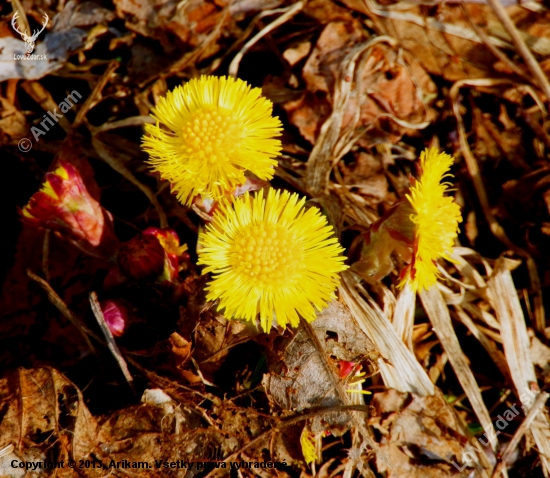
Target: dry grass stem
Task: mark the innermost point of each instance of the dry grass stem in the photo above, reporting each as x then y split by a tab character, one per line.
287	14
522	48
473	170
403	316
439	317
515	339
398	367
537	408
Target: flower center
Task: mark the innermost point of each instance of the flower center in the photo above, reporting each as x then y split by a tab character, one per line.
268	254
211	134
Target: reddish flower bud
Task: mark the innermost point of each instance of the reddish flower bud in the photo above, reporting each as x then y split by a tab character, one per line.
168	239
142	258
65	206
175	253
116	315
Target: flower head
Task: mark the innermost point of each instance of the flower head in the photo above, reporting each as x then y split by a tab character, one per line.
435	218
65	206
215	130
269	255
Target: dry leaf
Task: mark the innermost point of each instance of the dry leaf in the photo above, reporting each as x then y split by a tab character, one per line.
298	379
42	408
393	96
420	435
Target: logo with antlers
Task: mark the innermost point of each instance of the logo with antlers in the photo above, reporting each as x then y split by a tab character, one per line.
29	40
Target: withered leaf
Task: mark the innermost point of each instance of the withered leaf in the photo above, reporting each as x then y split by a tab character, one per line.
40	408
393	93
299	380
420	435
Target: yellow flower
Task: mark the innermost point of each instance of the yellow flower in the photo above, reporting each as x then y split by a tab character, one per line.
435	218
307	440
214	130
272	257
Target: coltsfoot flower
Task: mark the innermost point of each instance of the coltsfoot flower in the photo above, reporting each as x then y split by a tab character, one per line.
215	129
420	228
271	257
435	218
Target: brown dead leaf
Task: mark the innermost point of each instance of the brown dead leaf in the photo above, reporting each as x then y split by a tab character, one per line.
326	11
366	174
194	21
136	434
393	96
145	17
163	428
211	334
86	14
191	22
180	349
42	408
440	42
416	430
298	378
494	140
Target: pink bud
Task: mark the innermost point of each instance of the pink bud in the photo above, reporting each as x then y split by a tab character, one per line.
116	315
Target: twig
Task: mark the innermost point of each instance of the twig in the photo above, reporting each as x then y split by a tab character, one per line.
113	347
96	92
494	49
121	168
62	307
535	409
521	47
289	12
167	383
45	255
438	313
